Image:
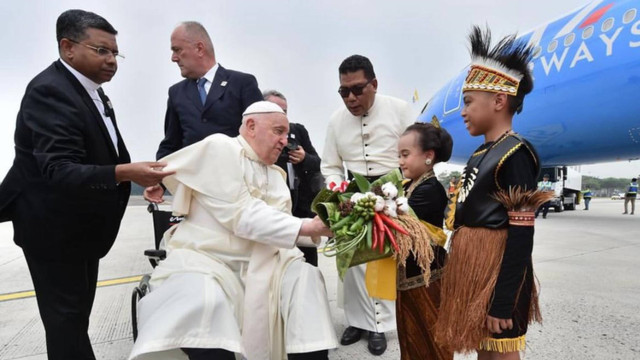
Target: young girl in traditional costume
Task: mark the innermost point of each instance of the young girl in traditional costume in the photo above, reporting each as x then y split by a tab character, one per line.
418	296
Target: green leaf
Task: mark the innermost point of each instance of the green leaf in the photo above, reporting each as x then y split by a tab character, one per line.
395	177
362	182
325	211
323	196
344	197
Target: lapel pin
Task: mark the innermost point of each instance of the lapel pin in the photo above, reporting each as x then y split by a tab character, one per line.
224	83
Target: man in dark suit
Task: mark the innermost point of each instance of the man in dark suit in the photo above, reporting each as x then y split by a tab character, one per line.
69	184
210	100
302	164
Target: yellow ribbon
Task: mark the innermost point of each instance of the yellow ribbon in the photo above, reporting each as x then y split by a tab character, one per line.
380	278
437	234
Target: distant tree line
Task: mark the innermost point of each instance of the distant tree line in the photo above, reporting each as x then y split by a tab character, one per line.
600	187
605	187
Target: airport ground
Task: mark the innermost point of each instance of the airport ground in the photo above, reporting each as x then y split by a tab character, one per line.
587	263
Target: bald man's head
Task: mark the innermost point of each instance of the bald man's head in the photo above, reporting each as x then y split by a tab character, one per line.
195	32
192	49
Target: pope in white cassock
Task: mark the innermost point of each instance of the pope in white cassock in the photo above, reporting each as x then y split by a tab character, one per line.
234	284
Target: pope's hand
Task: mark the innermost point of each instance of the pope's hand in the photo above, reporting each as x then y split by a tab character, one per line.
154	194
315	227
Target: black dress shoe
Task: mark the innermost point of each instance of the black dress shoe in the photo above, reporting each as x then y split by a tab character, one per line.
377	343
351	335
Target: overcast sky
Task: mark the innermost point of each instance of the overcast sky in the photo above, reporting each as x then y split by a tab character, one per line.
292	46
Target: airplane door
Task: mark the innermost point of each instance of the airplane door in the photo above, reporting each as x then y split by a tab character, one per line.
453	100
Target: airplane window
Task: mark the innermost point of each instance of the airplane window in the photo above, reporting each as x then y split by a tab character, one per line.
587	33
552	46
607	25
569	39
537	51
629	16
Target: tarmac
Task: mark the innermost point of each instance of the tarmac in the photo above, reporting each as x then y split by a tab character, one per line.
586	261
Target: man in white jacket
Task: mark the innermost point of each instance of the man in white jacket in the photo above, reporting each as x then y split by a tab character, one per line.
363	138
233	283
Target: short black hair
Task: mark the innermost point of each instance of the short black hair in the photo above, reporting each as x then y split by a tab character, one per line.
357	62
73	25
431	137
634	179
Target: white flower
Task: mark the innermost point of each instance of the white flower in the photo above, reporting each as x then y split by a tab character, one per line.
403	205
389	190
379	204
370	195
356	197
390	208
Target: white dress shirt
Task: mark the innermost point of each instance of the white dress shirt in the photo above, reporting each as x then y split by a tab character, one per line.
368	144
92	90
210	75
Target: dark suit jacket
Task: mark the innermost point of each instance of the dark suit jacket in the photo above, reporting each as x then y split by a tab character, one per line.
307	173
61	192
187	121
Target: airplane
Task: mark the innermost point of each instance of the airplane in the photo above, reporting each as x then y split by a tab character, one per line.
585	105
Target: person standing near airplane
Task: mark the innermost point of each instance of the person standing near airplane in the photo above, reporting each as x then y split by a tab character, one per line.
69	185
488	291
362	138
545	185
630	197
586	195
210	100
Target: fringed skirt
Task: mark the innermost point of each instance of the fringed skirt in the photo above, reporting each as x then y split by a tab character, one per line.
468	284
417	310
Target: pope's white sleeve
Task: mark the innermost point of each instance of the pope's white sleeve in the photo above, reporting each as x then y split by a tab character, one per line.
331	165
253	219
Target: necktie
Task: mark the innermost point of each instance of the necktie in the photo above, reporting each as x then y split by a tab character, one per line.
111	123
201	90
108	109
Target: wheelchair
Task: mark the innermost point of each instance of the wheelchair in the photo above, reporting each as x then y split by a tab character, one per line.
162	221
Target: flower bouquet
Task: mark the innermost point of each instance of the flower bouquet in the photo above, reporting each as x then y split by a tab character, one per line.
371	221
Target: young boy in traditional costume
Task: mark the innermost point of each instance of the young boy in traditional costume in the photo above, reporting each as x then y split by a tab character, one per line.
488	291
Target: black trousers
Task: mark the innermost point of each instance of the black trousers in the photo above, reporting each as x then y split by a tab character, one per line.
65	290
544	208
310	255
220	354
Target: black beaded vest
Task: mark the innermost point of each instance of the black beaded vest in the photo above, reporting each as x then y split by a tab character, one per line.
475	206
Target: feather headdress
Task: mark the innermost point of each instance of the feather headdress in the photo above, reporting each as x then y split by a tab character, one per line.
503	68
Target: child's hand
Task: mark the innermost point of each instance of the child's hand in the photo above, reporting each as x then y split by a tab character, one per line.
495	325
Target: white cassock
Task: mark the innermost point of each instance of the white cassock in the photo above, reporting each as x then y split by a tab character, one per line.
233	278
367	145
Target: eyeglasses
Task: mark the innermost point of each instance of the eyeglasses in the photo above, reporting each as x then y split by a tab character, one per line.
356	89
104	52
